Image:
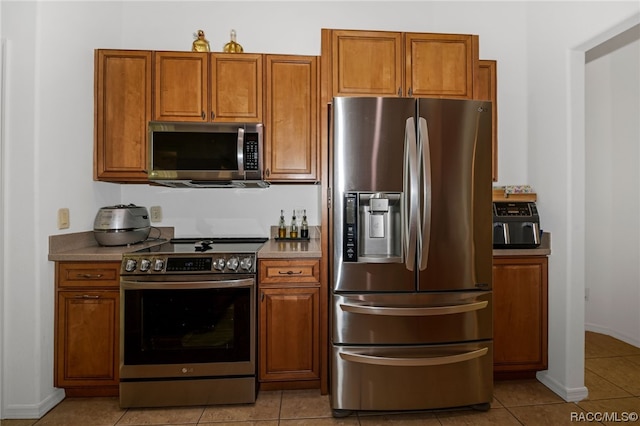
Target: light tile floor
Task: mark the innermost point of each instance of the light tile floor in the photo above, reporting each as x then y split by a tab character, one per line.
612	375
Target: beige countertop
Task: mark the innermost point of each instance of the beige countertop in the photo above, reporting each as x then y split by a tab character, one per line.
275	249
543	250
83	247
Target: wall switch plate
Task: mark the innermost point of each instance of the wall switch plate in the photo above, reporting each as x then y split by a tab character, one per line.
63	218
156	214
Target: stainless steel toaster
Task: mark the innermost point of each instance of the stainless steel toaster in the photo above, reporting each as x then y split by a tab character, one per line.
515	225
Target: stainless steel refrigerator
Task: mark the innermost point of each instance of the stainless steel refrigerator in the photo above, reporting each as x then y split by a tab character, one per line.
411	243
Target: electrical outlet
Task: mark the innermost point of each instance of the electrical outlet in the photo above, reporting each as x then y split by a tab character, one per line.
63	218
156	214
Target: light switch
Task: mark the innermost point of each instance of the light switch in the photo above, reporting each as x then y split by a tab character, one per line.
63	218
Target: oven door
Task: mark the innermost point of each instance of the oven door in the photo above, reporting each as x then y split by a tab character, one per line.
187	326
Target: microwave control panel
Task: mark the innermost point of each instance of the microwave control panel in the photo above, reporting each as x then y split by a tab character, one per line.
251	154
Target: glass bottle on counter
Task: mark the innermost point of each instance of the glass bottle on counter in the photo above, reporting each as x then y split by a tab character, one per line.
282	226
304	226
294	226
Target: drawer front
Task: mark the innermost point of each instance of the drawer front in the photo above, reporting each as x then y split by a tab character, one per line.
411	318
411	377
88	274
290	271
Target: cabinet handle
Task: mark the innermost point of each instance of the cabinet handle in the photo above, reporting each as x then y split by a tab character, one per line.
267	172
410	92
262	296
399	92
213	115
89	276
87	296
203	115
289	273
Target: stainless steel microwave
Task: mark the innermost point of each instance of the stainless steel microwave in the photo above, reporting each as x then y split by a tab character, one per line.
210	155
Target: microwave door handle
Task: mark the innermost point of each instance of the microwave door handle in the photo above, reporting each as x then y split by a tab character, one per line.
240	151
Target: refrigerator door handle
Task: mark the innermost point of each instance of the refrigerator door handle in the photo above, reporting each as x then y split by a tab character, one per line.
410	185
424	151
413	362
421	311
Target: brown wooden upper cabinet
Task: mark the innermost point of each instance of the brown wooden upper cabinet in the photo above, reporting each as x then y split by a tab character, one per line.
121	112
440	65
383	63
291	139
205	87
364	63
487	90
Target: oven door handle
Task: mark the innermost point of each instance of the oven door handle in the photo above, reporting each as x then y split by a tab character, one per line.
171	285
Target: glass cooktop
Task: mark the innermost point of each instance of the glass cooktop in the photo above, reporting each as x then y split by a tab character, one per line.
208	245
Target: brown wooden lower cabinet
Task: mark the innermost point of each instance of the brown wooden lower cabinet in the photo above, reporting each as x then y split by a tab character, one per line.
87	313
289	324
520	290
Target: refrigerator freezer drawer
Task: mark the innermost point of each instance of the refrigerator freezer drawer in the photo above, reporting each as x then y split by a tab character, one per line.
411	378
411	318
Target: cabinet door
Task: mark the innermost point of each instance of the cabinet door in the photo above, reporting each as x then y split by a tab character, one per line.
181	86
366	63
440	65
122	110
291	145
236	87
487	90
87	339
520	313
289	334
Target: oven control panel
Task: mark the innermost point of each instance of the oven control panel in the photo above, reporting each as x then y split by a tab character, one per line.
221	263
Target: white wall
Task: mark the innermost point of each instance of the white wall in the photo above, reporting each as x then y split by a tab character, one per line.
560	33
613	193
49	134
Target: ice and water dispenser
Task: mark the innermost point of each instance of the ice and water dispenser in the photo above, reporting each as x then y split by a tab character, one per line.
372	227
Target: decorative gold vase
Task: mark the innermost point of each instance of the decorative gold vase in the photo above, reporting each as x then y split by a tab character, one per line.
233	46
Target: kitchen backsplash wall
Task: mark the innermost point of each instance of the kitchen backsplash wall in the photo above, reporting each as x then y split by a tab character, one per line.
226	212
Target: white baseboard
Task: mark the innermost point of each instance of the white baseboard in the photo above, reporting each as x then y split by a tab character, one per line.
613	333
33	411
568	394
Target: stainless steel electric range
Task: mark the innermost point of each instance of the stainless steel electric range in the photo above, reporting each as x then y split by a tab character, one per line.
188	323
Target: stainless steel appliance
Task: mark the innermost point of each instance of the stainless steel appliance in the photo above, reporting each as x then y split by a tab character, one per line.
411	270
213	155
188	323
121	224
516	225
